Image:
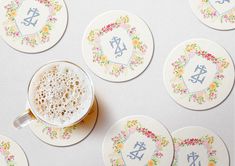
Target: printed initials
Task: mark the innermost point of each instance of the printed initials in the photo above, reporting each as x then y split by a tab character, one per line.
192	159
196	78
222	1
140	146
32	13
115	43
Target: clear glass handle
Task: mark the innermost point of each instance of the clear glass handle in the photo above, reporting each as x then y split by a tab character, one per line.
24	119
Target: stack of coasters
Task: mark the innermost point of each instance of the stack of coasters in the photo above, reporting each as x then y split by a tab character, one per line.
117	46
199	74
32	26
11	153
217	14
69	135
138	141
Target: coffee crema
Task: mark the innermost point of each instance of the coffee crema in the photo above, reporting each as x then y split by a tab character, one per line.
60	93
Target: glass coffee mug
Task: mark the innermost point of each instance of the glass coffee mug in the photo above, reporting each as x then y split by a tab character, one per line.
60	94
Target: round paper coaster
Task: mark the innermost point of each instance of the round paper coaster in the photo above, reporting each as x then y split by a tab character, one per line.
69	135
11	153
199	74
217	14
197	146
32	26
117	46
138	141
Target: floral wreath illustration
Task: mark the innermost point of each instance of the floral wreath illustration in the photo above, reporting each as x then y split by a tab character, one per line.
58	133
209	12
178	84
35	39
139	48
5	151
61	133
131	127
206	142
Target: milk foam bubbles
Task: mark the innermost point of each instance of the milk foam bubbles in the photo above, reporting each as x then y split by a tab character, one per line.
60	93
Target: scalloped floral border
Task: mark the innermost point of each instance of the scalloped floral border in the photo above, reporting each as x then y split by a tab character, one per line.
55	133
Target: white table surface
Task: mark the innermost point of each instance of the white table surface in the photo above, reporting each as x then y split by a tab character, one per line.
171	22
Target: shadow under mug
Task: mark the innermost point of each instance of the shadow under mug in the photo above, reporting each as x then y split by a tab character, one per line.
30	114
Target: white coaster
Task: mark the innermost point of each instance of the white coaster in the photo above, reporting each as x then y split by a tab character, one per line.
11	153
217	14
117	46
138	141
197	146
199	74
32	26
69	135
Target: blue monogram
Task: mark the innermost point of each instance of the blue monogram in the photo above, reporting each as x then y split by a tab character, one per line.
196	78
135	154
33	12
222	1
192	159
115	43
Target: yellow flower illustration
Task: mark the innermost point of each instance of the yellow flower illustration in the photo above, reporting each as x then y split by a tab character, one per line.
12	14
190	47
125	19
225	64
91	36
150	163
115	68
120	146
57	7
6	145
104	59
212	86
136	42
164	142
210	140
45	29
180	72
132	123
